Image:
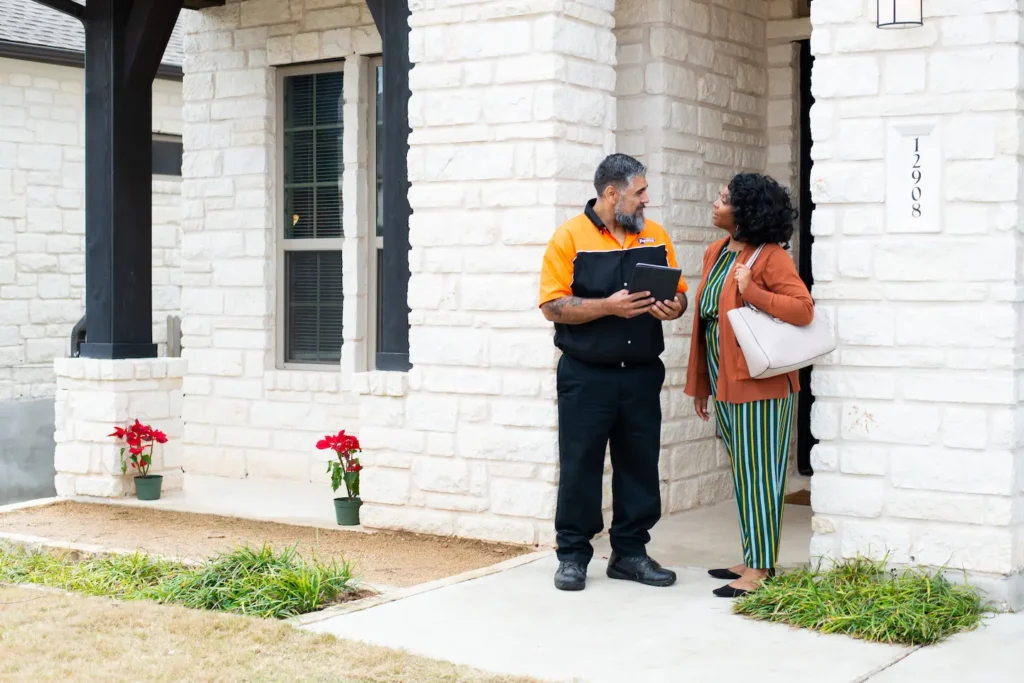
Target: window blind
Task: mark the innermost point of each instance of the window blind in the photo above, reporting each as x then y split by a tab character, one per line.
313	164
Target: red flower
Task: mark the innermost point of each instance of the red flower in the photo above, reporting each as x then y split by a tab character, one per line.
139	441
341	443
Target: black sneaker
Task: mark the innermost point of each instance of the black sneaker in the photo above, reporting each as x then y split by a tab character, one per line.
571	576
641	569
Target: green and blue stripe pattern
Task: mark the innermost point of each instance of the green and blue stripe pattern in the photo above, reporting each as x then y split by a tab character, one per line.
756	435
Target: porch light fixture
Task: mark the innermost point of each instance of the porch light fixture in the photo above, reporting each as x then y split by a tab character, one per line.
900	13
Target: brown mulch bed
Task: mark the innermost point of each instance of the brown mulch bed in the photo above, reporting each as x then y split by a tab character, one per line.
384	557
799	498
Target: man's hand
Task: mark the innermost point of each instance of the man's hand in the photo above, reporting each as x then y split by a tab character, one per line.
626	305
670	309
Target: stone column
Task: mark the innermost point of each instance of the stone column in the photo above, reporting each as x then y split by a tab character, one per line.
511	111
94	396
920	457
692	88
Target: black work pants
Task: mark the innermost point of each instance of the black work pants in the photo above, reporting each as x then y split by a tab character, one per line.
598	405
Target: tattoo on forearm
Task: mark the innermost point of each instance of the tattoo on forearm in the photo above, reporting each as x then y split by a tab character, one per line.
557	307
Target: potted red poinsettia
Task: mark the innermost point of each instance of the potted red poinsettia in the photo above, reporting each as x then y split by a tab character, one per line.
344	469
139	440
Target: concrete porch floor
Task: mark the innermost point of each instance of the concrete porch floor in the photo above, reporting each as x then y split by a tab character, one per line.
710	537
704	537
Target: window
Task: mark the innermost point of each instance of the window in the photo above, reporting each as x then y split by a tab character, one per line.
311	299
167	155
377	239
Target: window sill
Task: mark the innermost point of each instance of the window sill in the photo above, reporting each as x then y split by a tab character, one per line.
380	383
304	378
317	379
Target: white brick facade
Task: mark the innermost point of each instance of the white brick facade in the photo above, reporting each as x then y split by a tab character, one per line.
244	418
512	106
917	411
42	220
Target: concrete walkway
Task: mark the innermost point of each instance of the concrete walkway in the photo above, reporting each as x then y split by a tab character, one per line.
515	622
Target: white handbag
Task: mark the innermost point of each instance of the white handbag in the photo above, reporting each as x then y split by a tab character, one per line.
773	347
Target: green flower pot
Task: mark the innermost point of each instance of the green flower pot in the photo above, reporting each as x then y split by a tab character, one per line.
346	510
148	487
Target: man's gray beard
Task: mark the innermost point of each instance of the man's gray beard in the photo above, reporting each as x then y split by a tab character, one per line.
631	222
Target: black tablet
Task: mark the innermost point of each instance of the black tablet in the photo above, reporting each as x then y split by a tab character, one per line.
661	281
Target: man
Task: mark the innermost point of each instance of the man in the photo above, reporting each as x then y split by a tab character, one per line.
610	374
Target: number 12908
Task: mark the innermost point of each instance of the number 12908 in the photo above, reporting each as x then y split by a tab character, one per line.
915	191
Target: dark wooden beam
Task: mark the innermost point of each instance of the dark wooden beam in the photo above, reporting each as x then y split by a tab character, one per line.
68	7
150	24
203	4
377	11
118	176
394	347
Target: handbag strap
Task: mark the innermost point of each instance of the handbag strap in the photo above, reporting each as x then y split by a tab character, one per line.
750	263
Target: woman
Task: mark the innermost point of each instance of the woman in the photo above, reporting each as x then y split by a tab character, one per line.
753	415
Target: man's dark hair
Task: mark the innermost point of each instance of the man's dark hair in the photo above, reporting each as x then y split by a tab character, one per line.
617	170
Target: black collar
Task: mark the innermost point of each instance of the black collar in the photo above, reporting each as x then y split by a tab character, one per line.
588	210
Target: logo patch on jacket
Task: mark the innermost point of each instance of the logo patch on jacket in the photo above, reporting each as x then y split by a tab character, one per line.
646	240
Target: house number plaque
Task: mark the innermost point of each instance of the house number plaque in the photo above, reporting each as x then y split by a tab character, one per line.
914	178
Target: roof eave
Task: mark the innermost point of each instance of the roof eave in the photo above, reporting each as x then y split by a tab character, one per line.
31	52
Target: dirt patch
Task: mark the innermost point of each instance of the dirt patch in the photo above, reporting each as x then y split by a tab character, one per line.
385	557
51	637
799	498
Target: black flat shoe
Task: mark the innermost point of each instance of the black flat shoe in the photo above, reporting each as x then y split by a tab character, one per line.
728	591
641	569
729	575
571	576
724	574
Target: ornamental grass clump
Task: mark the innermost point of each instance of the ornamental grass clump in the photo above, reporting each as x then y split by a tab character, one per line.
261	583
860	598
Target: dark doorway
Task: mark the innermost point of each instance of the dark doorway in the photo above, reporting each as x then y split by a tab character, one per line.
805	440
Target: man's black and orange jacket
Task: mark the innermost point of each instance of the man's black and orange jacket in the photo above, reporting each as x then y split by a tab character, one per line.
584	259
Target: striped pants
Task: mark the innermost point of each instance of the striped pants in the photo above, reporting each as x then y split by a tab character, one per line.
756	435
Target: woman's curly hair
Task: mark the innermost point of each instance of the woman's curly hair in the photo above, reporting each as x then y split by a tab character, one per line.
762	210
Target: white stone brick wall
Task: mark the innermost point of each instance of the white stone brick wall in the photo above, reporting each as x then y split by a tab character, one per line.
245	418
42	220
917	411
788	21
93	396
785	26
471	447
692	93
465	443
